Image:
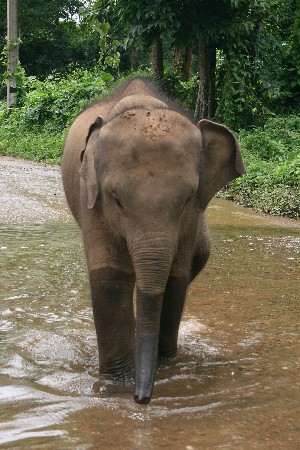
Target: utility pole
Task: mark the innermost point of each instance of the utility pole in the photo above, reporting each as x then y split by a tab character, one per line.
13	51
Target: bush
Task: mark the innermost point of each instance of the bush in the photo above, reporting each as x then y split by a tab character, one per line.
185	92
35	129
58	99
278	140
272	158
37	144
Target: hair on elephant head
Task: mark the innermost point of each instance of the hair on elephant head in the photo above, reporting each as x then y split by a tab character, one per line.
138	191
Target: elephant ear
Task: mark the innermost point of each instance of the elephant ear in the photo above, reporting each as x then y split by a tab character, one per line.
220	161
87	170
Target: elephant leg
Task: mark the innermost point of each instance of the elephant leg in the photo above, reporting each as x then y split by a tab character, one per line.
171	313
112	291
188	263
201	251
198	262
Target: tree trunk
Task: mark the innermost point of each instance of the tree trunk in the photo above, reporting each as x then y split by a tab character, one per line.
13	51
187	63
212	105
201	110
177	55
133	58
157	59
206	103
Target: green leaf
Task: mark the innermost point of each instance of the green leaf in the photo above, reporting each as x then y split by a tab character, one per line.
106	76
105	26
102	44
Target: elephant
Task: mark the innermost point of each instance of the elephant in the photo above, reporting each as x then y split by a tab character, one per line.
138	174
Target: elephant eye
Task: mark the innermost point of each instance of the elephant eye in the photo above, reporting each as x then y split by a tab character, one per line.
117	200
186	202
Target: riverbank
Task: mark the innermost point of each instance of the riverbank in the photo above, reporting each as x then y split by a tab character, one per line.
272	158
31	193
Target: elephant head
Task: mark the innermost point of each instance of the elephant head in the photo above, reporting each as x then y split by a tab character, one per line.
151	172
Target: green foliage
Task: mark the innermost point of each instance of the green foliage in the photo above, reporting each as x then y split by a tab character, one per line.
258	44
56	49
278	140
59	98
251	63
149	19
185	92
272	157
295	48
36	128
36	144
19	73
51	37
109	45
277	199
239	105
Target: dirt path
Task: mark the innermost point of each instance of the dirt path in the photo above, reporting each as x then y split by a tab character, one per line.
31	193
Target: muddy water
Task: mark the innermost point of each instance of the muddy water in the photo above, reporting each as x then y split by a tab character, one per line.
235	383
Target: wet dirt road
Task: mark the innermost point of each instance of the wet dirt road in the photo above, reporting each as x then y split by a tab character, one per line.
235	383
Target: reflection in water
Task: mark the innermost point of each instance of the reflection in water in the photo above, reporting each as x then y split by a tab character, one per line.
142	438
234	384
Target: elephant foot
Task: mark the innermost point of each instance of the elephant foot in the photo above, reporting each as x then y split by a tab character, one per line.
167	348
167	356
122	378
117	373
115	382
166	361
109	386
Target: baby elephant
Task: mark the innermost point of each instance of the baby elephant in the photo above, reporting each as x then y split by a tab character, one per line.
138	176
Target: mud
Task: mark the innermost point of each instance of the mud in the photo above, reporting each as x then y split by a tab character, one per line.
235	383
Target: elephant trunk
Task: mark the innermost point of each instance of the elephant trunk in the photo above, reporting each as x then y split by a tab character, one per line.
152	262
147	334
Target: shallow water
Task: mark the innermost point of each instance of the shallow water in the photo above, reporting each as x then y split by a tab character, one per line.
235	383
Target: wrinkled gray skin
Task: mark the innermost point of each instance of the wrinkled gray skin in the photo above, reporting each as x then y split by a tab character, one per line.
138	176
